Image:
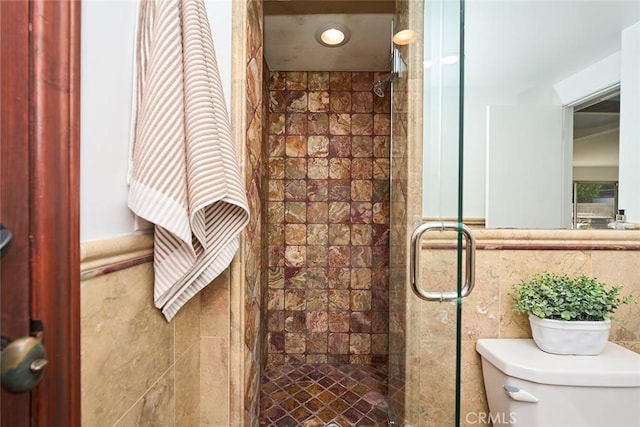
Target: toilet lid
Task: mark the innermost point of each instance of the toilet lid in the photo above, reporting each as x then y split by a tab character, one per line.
521	358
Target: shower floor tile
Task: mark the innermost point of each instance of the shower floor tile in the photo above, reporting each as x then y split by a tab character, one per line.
306	395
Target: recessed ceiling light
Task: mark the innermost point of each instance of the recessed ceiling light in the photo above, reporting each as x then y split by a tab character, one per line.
404	37
333	35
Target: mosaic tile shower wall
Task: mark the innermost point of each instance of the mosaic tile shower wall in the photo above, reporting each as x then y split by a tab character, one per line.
327	218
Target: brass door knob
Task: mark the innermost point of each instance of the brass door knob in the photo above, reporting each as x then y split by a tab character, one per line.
23	362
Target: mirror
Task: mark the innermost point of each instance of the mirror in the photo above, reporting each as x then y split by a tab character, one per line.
528	65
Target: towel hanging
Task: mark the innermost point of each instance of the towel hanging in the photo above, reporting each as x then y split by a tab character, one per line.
185	176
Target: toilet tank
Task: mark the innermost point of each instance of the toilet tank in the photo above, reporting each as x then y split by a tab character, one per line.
527	387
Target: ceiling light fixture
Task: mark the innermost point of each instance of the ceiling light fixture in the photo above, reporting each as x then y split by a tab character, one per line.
450	59
446	60
404	37
333	35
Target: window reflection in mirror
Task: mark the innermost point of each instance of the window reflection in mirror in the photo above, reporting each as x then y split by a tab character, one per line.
596	132
595	204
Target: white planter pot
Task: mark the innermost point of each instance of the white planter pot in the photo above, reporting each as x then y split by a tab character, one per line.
582	338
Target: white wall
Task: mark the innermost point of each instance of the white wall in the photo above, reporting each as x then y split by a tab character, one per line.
477	99
629	172
597	78
107	43
525	167
587	173
598	150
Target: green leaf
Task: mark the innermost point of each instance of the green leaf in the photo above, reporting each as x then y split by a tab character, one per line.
549	295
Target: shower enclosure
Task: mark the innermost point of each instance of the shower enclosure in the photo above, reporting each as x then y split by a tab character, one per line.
343	333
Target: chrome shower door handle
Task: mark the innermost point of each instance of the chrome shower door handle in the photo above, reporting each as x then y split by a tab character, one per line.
414	264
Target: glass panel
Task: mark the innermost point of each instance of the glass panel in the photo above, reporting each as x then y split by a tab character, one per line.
440	260
441	115
427	353
517	92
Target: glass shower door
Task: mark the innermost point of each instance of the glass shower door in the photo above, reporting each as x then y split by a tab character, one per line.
444	268
428	322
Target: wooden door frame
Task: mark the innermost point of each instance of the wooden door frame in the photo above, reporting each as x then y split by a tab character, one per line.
53	74
55	208
14	191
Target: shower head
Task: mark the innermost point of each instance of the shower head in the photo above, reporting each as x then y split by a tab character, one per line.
380	86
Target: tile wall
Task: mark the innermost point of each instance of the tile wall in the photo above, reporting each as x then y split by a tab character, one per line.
327	218
248	298
161	373
405	391
503	258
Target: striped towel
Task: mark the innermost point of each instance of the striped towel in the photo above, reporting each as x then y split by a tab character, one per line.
185	175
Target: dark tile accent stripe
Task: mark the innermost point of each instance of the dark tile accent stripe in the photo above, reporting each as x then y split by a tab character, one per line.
112	268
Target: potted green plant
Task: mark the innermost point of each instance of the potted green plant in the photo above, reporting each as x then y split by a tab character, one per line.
568	314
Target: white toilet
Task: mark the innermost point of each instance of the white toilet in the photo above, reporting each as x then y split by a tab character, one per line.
527	387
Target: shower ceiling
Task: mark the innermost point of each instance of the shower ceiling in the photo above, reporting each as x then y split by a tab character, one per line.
290	28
